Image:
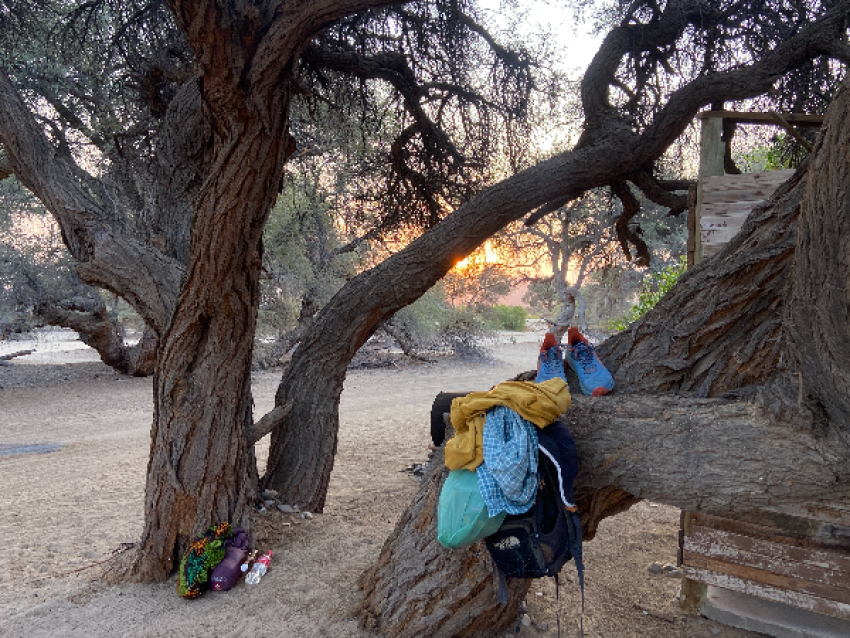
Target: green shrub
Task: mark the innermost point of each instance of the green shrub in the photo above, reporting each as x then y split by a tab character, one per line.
465	332
510	317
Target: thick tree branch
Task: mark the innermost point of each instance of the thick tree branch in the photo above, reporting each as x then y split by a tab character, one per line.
655	191
108	255
267	423
625	234
729	335
813	39
98	330
710	455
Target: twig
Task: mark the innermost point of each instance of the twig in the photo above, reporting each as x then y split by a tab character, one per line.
655	614
19	353
120	550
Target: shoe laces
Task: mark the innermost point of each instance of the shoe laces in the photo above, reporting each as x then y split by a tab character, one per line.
584	355
552	362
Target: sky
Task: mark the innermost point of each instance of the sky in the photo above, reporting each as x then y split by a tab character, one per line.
557	17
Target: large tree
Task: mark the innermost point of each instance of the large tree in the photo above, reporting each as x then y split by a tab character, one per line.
219	149
732	395
170	212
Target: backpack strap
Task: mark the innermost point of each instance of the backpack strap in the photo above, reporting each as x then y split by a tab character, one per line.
574	527
503	584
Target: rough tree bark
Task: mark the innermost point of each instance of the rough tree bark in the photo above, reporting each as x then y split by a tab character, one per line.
226	133
203	310
201	468
455	597
817	312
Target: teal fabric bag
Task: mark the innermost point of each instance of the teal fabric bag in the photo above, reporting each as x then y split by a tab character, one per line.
462	516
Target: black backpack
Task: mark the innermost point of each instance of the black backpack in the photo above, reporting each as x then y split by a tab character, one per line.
542	540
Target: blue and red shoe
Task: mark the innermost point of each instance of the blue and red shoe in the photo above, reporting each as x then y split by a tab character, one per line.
550	361
593	376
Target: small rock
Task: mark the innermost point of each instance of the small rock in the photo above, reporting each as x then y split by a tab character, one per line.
655	568
286	509
674	573
716	631
526	621
668	567
269	503
543	626
306	516
270	493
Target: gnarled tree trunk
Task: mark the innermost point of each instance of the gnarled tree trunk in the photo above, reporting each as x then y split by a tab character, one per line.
610	150
202	470
456	596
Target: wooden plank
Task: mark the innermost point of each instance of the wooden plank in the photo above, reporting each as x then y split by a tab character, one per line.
745	187
727	209
800	119
778	527
777	581
833	513
745	181
818	566
718	237
718	222
795	599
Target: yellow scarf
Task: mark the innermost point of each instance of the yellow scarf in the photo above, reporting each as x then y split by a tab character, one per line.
540	403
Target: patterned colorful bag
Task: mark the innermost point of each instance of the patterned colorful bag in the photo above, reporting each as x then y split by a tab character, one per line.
201	558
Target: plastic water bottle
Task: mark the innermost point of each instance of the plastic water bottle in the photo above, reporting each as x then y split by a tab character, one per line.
244	567
261	566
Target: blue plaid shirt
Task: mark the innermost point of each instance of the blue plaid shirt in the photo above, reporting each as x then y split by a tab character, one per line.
507	479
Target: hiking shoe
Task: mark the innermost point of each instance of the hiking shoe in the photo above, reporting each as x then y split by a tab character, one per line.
593	377
550	362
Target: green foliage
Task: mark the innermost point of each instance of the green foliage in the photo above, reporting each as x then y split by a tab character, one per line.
302	265
432	324
34	265
423	319
779	154
653	288
510	317
478	284
608	294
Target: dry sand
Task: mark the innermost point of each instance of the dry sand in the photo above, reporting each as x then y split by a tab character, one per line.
65	511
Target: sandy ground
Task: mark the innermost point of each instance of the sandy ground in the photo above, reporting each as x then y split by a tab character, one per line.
70	503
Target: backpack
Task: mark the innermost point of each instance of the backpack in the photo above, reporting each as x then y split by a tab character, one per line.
201	558
541	541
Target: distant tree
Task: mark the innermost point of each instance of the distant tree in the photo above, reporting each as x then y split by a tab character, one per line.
476	282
